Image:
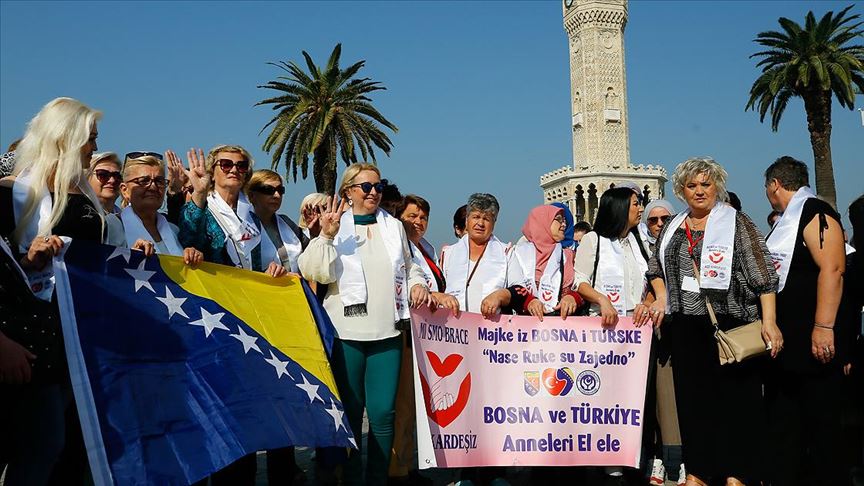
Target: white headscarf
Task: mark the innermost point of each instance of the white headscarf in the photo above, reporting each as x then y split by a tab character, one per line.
643	227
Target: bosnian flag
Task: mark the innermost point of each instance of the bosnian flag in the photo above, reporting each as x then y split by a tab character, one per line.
178	372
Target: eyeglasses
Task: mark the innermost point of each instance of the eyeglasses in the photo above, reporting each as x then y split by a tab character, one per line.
367	187
145	181
559	220
227	164
269	190
655	219
106	175
135	155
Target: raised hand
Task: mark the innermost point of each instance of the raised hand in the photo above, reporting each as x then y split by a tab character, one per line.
176	172
331	216
198	177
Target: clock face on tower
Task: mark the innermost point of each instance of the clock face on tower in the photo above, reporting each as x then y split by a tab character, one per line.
568	3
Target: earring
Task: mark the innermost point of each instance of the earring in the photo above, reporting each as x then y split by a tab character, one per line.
350	203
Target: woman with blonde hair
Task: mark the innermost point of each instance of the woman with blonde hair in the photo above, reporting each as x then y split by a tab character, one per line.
284	239
711	260
143	188
105	177
47	198
363	255
310	209
219	220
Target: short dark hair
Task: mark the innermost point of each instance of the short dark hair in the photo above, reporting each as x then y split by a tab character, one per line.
582	227
791	173
459	217
734	201
415	200
391	198
613	212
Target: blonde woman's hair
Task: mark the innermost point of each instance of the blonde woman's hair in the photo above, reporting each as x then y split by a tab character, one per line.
259	176
234	149
351	173
52	147
101	157
147	160
314	199
692	167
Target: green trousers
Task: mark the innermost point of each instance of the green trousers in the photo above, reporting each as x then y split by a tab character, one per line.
367	374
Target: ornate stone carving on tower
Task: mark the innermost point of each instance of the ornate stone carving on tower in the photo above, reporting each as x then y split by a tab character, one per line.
598	90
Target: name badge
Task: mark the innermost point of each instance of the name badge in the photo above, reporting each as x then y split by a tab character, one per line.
689	284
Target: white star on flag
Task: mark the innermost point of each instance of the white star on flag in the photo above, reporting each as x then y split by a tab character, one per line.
337	416
124	252
174	304
247	340
210	321
310	389
141	276
280	366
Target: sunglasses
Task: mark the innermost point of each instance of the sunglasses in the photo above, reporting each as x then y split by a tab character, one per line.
227	164
655	219
106	175
145	181
135	155
367	187
269	190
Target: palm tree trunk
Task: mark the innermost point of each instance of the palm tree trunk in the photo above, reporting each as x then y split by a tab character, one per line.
325	176
817	104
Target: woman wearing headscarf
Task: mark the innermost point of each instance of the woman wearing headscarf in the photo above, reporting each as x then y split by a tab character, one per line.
720	407
363	256
656	214
569	229
546	287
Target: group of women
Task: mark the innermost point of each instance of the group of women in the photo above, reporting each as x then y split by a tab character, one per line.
370	266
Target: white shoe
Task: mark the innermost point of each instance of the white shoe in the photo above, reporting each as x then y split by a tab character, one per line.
682	475
658	474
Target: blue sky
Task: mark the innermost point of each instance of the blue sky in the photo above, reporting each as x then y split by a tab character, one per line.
479	90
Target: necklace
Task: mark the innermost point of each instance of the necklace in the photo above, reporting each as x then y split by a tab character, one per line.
697	226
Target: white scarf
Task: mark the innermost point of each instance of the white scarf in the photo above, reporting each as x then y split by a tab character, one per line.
349	267
718	246
610	280
420	261
781	239
550	281
492	269
241	232
290	243
41	281
134	230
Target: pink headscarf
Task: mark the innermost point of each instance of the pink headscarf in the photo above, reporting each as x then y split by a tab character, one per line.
538	230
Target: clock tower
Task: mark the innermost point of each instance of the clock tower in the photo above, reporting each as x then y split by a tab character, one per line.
600	121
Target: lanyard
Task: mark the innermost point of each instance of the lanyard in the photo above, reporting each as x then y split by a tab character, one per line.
692	244
477	264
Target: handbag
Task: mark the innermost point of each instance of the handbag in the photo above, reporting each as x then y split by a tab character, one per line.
739	343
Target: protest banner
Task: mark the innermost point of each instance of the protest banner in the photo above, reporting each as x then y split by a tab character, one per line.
520	392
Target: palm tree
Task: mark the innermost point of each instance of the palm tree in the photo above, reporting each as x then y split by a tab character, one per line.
811	63
324	113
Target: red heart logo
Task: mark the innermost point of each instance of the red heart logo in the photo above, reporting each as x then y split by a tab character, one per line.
776	265
398	290
547	294
715	257
551	382
446	368
614	297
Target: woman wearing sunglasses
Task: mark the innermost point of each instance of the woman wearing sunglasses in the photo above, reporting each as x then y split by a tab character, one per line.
284	239
143	188
657	213
363	255
219	220
104	177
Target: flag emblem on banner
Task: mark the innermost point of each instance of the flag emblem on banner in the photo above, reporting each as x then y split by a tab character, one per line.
532	382
178	372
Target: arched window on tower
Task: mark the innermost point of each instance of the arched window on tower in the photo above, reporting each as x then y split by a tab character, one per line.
579	200
646	195
592	202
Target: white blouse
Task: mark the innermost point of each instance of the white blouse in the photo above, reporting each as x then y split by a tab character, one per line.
584	265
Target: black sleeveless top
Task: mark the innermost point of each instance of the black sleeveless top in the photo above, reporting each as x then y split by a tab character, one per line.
796	304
